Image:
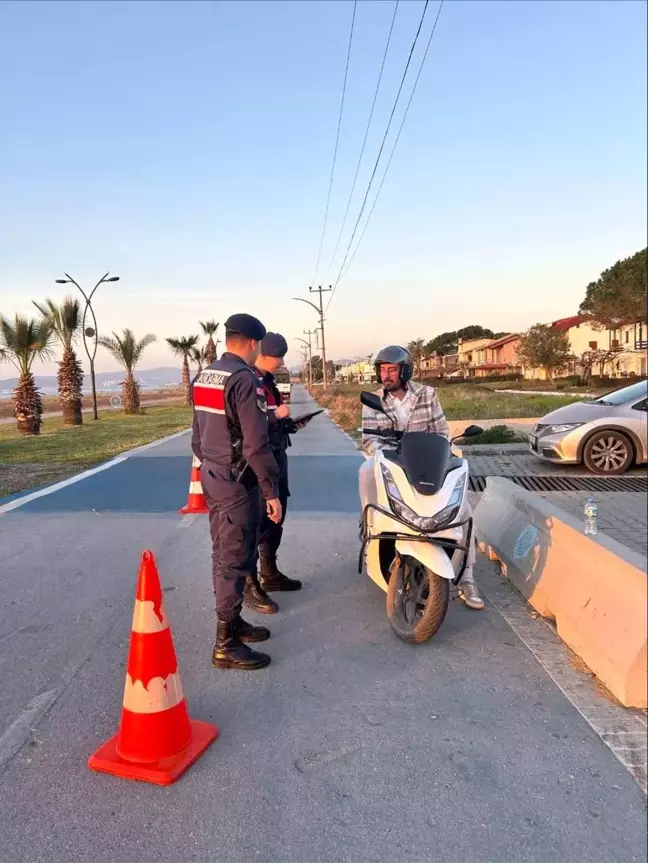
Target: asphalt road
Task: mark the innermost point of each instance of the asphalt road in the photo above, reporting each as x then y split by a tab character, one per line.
351	746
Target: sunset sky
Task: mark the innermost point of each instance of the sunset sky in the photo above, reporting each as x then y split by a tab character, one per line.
187	148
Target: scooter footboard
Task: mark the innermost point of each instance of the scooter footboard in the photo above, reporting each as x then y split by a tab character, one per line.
432	556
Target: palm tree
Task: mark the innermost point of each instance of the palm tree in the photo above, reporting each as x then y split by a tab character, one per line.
184	347
199	357
65	321
417	352
21	342
128	352
210	328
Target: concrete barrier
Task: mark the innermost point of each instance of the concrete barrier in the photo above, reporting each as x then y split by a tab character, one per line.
593	587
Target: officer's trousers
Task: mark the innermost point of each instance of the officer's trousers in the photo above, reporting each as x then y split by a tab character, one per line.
235	514
271	533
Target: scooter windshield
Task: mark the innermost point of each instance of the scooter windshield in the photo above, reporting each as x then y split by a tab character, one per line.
424	458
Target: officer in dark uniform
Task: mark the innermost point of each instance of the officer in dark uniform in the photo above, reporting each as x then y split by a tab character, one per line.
280	426
238	472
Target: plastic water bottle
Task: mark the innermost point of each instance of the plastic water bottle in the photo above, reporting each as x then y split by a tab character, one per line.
591	517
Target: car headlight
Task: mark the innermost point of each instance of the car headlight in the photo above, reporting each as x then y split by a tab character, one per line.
565	427
426	523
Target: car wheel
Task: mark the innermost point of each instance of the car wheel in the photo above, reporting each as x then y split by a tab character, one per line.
609	453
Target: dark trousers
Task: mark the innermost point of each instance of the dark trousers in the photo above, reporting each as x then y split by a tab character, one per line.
235	514
271	533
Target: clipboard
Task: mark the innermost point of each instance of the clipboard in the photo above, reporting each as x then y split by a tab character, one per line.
306	418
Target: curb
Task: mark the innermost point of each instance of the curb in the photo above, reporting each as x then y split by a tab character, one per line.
494	449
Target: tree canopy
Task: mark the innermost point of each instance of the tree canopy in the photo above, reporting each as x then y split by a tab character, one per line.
618	296
446	343
545	347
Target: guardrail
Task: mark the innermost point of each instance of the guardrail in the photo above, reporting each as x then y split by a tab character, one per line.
593	587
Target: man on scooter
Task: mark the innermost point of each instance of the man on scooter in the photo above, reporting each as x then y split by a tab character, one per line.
412	407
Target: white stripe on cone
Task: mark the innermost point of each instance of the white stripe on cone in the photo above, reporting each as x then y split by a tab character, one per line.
145	620
195	488
196	462
159	695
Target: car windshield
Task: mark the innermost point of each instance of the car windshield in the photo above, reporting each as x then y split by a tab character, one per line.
282	377
628	394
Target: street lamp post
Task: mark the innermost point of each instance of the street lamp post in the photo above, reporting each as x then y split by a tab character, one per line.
89	332
320	311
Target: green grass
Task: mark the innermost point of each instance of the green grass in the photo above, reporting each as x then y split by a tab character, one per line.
459	402
27	461
465	402
92	442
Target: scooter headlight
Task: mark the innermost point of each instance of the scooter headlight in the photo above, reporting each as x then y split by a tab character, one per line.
425	523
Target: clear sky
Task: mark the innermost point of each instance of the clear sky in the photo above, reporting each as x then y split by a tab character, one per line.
187	148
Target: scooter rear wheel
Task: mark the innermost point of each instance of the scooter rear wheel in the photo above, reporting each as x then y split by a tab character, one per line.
417	600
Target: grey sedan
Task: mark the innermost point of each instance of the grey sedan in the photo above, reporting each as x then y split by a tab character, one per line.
607	434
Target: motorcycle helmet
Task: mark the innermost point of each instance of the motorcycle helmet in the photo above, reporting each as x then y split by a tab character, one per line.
395	355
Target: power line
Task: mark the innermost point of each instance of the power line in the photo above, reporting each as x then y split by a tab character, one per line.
382	147
391	156
337	140
364	143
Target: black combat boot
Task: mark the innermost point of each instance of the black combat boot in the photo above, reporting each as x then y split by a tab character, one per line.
231	652
272	579
255	597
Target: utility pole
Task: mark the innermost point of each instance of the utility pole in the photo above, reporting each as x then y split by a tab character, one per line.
309	334
308	355
320	311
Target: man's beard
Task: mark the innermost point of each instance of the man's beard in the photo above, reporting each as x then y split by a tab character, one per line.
391	386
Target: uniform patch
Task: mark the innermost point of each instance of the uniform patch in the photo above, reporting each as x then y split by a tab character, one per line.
262	402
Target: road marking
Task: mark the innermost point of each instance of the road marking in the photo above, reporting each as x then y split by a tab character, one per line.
187	520
16	735
50	489
621	729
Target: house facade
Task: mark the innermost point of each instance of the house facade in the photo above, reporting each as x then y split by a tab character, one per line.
621	352
361	372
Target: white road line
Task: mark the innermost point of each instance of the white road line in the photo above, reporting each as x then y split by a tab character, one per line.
50	489
188	520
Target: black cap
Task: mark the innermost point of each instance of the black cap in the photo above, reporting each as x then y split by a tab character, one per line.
274	345
245	325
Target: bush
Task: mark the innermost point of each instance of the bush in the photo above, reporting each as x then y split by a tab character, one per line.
496	435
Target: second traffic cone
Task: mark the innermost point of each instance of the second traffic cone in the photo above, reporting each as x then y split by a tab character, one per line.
196	503
156	741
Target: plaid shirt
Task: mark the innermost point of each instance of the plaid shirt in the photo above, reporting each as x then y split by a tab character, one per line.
426	416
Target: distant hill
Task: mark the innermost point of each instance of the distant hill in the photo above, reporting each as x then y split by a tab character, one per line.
147	378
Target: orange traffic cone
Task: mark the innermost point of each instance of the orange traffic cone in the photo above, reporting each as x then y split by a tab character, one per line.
196	503
156	741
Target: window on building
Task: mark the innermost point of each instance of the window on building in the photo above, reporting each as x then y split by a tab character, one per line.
593	345
627	338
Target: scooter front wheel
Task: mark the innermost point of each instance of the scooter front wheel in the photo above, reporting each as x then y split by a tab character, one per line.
417	600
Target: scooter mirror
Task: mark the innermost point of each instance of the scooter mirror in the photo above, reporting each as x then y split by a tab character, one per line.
371	400
471	431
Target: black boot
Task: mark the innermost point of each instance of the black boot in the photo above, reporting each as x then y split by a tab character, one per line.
247	632
255	597
272	579
230	652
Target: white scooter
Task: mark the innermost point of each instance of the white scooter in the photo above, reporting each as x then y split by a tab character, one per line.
414	544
